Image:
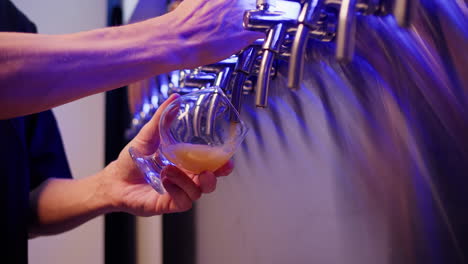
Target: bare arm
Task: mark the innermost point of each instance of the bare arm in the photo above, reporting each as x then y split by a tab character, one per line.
59	205
38	72
42	71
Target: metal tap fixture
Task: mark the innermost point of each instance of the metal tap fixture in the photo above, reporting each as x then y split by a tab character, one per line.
308	18
274	18
288	26
198	79
402	12
345	40
243	69
223	71
317	13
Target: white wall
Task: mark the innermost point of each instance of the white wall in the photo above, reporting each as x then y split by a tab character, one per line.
82	127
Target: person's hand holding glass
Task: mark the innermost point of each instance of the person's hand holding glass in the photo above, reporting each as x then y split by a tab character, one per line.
199	132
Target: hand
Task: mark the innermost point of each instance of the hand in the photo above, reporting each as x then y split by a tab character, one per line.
132	194
212	29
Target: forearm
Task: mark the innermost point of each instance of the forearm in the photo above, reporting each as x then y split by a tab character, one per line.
59	205
38	72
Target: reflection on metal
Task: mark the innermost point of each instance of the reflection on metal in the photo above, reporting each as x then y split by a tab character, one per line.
307	20
346	31
373	150
274	21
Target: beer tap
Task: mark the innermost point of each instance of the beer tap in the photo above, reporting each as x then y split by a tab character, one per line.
345	40
308	18
402	12
274	18
347	20
194	81
245	62
223	71
345	36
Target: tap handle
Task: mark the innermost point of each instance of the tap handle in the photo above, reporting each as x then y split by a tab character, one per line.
402	12
346	31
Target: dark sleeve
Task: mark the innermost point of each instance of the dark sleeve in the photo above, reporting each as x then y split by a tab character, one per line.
46	152
39	132
12	20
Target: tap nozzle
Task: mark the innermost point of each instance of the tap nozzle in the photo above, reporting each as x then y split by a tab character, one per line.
345	38
310	13
270	48
245	62
402	12
274	23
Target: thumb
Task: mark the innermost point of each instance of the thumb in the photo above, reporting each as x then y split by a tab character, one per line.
147	140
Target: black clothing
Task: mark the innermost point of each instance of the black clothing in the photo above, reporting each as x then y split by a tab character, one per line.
31	151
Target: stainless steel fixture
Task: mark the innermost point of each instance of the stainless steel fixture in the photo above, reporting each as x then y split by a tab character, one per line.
360	156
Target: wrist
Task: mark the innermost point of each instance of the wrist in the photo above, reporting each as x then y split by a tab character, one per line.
104	197
159	44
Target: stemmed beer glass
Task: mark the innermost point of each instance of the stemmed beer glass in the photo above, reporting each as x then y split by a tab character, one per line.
199	131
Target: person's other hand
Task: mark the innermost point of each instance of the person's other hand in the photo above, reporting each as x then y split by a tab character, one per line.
131	193
212	29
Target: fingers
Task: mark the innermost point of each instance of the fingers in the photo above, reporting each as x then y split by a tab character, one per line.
147	139
185	190
207	181
181	201
181	180
225	170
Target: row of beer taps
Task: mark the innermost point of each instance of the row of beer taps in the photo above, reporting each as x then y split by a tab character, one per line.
288	25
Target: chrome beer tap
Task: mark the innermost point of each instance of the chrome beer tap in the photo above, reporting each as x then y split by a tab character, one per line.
319	19
176	81
194	80
310	14
245	62
402	12
316	20
223	71
347	11
274	18
345	40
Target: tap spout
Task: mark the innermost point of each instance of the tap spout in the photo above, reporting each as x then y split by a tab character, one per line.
310	13
270	49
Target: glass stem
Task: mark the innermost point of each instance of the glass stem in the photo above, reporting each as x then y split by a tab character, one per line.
151	166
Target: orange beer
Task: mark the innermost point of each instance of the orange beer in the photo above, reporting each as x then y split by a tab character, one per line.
198	158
